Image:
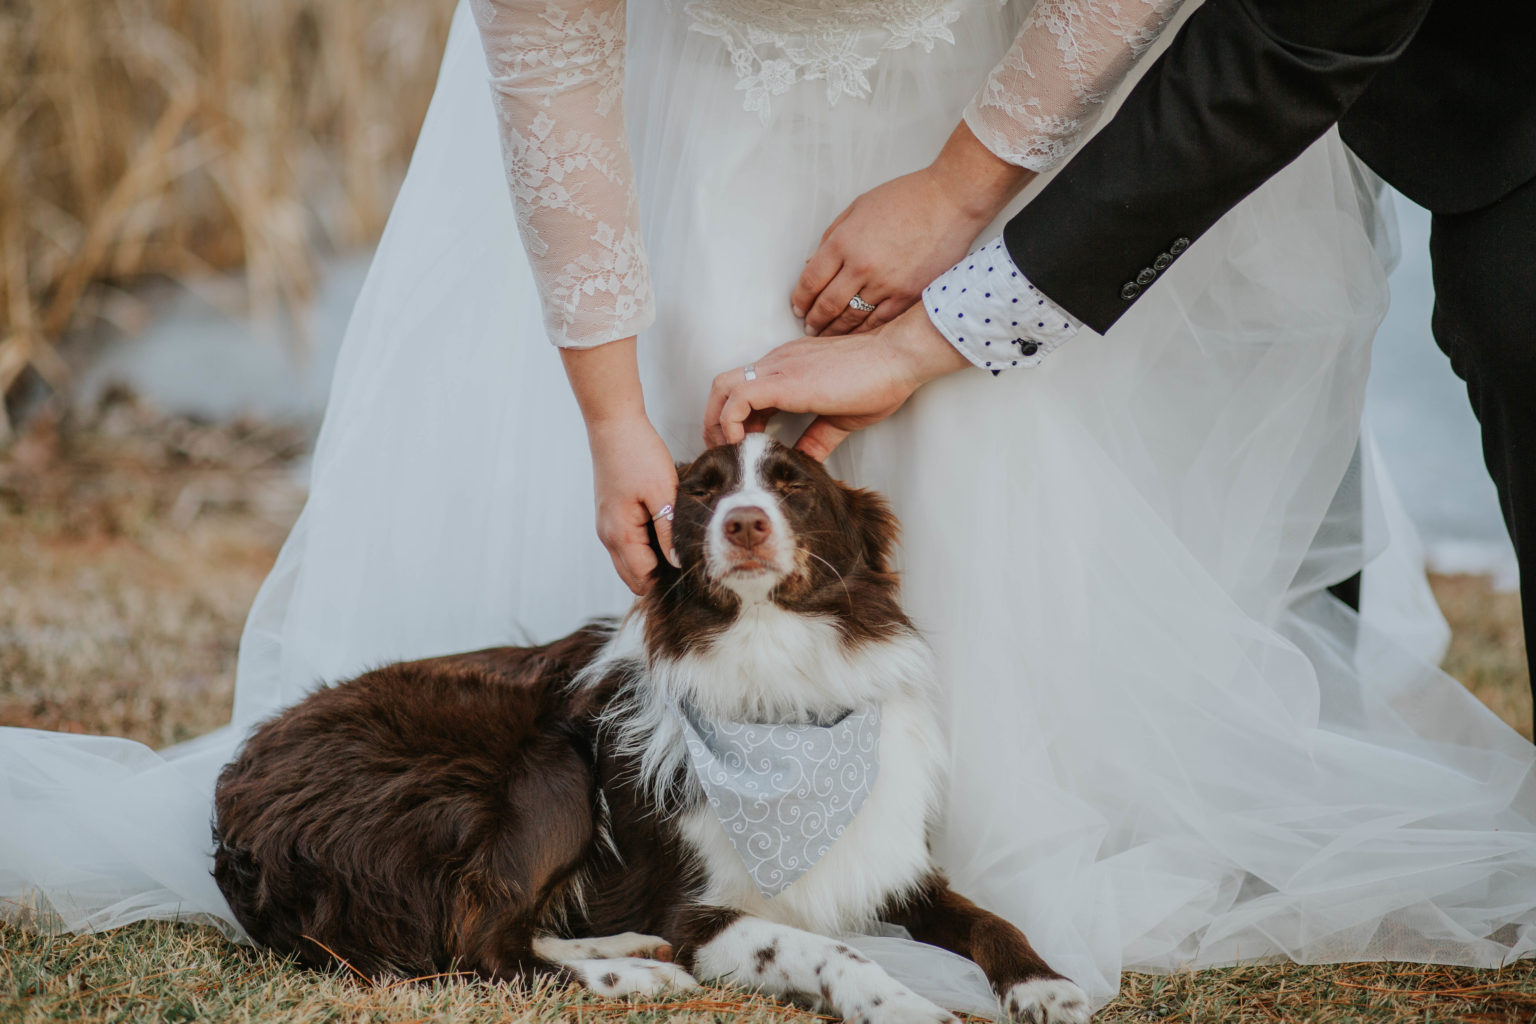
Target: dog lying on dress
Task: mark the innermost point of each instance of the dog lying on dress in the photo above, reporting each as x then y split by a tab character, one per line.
747	764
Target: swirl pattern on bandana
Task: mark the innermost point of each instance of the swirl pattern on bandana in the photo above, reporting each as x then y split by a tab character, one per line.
784	793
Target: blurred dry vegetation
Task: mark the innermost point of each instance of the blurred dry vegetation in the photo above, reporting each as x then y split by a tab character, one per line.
174	137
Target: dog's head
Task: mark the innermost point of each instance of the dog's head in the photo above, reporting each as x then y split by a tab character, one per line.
758	522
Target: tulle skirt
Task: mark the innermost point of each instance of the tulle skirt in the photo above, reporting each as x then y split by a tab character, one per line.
1171	747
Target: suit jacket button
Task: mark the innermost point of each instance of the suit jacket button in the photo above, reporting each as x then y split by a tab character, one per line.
1145	277
1130	290
1162	261
1179	245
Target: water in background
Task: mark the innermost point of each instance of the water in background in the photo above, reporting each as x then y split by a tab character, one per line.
196	359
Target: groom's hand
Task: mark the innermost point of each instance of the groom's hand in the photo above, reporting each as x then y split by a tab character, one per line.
848	383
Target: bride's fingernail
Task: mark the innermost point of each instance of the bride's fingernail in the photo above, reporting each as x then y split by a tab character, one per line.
799	313
809	329
672	557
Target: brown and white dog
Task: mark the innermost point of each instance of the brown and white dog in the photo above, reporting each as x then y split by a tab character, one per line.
487	811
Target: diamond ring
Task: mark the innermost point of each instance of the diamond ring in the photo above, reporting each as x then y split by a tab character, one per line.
665	513
860	305
750	370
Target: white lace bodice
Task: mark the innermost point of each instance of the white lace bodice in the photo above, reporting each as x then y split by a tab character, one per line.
557	75
776	45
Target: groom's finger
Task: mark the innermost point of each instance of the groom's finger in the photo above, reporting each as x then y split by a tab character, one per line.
758	421
719	391
750	397
821	438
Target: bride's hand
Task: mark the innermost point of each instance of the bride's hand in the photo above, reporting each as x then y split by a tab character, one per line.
885	248
896	238
635	482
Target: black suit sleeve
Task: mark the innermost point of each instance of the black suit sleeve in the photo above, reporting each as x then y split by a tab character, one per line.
1244	88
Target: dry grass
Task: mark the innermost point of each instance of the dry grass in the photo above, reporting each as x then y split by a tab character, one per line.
167	972
159	971
1487	646
169	137
130	548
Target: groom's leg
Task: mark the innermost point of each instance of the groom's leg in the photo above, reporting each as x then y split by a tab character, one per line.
1485	320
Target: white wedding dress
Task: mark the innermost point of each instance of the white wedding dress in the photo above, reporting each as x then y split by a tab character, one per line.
1170	746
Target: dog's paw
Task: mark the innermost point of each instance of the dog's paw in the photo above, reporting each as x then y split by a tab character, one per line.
1047	1001
617	977
603	947
900	1008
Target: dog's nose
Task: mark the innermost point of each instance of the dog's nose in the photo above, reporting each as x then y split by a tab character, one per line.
747	527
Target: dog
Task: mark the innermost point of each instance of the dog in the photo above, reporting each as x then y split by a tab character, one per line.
487	812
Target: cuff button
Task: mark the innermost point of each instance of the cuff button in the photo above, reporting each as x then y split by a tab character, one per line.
1179	245
1028	348
1162	262
1145	277
1130	290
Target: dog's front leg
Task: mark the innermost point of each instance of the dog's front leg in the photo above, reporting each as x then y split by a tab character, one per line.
732	948
1027	987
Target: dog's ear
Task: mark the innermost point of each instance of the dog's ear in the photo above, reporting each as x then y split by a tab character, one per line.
874	525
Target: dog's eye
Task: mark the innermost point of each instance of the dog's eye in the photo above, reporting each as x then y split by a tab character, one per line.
702	486
786	480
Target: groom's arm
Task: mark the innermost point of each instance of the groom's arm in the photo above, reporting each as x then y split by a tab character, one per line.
1244	88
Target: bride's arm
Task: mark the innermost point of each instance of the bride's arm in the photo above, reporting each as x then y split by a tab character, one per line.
557	81
1031	113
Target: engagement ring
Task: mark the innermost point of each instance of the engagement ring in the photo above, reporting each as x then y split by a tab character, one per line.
860	305
665	513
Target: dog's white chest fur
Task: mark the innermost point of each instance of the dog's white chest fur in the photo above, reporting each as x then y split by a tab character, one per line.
774	665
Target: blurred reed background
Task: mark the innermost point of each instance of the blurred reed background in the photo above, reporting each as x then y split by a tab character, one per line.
145	138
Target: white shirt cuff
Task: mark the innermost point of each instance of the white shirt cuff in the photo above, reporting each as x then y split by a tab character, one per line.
988	310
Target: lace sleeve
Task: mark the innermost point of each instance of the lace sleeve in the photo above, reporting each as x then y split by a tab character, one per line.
557	79
1069	55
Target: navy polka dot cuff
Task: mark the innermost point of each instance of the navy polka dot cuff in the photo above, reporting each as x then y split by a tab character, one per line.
989	311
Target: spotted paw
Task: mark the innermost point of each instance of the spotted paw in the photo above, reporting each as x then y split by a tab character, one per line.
1047	1001
900	1008
617	977
603	947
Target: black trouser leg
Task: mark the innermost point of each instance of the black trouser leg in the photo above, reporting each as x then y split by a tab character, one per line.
1348	591
1485	321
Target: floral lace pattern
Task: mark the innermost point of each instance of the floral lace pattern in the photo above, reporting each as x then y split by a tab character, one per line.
1069	56
557	74
777	44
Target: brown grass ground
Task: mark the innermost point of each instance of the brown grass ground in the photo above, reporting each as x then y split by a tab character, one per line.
130	548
